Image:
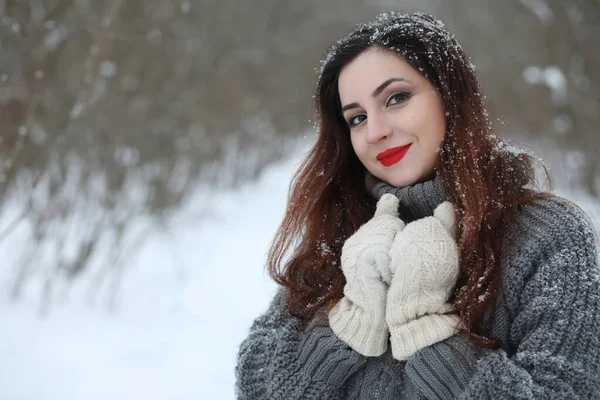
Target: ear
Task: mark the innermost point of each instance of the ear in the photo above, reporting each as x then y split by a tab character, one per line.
446	215
387	205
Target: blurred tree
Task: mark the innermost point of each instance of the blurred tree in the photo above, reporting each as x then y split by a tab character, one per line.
112	111
539	62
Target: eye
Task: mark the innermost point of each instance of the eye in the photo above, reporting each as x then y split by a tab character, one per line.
357	119
398	98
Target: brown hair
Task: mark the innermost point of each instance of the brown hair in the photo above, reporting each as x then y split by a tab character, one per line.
484	179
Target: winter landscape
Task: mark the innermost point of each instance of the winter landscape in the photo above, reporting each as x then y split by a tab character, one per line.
188	300
146	151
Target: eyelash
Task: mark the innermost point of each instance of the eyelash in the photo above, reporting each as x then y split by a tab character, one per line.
404	96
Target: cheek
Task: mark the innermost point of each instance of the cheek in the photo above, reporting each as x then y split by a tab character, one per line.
432	120
438	135
436	131
353	143
441	132
430	138
440	124
356	145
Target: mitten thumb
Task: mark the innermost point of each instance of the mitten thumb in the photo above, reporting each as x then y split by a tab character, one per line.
446	215
387	205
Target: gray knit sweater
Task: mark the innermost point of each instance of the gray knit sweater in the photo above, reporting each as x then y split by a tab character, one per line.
547	316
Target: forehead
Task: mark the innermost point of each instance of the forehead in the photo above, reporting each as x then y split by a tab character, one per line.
367	71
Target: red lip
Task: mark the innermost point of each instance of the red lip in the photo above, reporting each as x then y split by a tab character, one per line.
393	155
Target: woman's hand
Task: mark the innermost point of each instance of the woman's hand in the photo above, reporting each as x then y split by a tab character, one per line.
424	265
358	318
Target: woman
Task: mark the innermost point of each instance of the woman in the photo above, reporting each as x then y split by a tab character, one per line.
463	281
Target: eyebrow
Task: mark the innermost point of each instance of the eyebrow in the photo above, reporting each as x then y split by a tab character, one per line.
375	93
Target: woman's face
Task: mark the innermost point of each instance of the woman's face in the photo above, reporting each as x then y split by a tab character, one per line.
395	116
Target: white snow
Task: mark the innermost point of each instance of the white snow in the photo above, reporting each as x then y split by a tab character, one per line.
186	303
108	69
54	37
550	76
540	8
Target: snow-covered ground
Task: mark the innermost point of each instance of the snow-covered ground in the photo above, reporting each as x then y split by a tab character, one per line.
186	303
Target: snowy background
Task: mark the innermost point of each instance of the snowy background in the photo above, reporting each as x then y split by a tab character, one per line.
190	297
147	146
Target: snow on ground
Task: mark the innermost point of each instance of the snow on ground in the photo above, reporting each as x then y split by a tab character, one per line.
186	304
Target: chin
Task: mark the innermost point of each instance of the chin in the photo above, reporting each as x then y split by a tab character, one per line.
403	178
403	181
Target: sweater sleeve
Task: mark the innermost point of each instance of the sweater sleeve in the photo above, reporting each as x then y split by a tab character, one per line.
552	286
279	361
444	369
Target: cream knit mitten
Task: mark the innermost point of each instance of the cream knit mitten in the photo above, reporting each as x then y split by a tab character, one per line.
424	265
358	318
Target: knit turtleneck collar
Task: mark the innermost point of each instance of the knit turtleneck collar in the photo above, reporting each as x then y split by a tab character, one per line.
416	201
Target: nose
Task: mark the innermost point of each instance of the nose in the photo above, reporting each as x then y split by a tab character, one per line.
378	129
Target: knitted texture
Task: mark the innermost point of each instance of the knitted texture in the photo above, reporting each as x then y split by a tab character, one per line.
551	297
424	263
416	201
443	370
359	317
279	361
382	378
546	317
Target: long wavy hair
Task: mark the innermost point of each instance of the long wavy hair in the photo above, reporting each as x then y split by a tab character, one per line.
484	178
